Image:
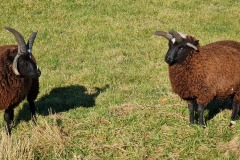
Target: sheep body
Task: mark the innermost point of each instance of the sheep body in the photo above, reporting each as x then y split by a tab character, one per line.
213	72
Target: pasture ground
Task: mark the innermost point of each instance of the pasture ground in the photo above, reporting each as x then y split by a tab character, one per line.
104	88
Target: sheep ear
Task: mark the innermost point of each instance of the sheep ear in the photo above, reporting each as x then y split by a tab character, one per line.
195	43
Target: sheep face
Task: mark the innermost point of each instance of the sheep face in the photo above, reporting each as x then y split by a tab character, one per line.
179	46
23	63
27	67
176	53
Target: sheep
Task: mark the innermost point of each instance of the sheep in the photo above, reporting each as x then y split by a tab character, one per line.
18	77
199	74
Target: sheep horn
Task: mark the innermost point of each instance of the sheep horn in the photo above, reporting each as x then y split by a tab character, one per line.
31	41
22	50
20	40
192	46
176	35
15	70
164	34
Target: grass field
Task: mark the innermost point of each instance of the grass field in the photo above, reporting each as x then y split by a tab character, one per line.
104	88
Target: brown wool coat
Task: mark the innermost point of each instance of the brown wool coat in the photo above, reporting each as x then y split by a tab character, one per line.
13	89
212	72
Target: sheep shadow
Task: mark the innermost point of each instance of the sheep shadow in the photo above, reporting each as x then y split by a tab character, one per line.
62	99
217	106
213	108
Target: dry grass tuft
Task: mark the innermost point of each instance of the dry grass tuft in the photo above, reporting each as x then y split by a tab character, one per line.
12	147
233	146
45	139
123	109
49	137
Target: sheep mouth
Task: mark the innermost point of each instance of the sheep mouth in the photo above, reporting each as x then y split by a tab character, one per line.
36	74
170	63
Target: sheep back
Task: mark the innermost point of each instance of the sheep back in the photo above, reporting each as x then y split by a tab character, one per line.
213	72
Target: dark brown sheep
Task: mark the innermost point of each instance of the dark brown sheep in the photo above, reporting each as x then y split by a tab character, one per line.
199	74
18	77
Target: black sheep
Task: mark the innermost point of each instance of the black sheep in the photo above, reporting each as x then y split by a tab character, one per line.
18	77
199	74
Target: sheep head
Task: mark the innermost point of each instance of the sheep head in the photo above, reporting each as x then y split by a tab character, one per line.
180	46
23	64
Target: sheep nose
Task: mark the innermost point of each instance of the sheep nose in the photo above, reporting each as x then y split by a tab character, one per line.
169	60
38	72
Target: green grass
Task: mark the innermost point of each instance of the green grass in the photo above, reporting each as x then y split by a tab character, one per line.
104	88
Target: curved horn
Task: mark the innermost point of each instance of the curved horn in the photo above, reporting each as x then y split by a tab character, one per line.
192	46
20	40
15	70
21	47
164	34
176	35
31	41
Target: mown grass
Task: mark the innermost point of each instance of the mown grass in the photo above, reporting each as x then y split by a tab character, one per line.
104	89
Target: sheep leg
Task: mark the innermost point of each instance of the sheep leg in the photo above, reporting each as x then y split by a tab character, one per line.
200	114
191	111
33	112
235	111
8	117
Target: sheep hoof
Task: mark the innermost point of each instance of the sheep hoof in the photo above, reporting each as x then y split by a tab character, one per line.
232	123
8	130
34	120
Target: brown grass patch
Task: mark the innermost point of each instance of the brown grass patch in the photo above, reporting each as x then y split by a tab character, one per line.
123	109
49	137
45	140
12	148
233	146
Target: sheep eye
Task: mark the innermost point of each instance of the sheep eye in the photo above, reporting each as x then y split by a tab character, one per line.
181	48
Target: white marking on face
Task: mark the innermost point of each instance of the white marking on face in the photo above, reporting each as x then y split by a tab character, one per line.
173	40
